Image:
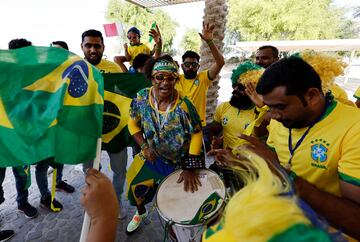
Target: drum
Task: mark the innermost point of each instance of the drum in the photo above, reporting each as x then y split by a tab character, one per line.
188	213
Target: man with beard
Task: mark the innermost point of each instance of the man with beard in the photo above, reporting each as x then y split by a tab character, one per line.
266	55
194	85
316	139
233	117
93	47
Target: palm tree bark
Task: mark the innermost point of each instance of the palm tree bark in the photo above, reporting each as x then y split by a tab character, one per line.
215	13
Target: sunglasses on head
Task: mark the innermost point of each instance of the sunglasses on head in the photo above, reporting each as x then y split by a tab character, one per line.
161	78
191	64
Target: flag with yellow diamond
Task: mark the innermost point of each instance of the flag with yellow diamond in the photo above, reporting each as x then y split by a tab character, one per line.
51	105
120	88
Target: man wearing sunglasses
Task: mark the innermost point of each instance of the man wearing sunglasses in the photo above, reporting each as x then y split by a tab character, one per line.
194	85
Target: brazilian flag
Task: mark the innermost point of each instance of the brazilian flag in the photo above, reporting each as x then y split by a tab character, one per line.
143	178
208	206
51	105
120	89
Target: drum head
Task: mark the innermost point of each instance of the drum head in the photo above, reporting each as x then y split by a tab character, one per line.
173	203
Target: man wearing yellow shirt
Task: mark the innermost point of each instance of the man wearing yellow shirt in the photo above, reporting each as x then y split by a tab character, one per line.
357	96
195	85
316	139
233	117
93	47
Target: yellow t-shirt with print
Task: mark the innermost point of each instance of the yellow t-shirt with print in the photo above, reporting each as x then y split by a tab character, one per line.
106	66
134	50
340	95
233	122
357	93
196	90
329	152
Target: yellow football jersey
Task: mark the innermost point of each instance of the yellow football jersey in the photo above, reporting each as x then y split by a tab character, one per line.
134	50
106	66
233	122
329	152
196	90
340	95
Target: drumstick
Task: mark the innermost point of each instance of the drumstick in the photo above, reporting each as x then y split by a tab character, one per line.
86	223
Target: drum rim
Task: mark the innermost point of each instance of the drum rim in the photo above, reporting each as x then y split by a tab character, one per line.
222	205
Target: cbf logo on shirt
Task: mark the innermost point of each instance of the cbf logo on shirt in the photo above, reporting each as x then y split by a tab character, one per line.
196	82
225	121
319	149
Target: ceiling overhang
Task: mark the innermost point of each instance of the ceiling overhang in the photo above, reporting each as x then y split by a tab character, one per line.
158	3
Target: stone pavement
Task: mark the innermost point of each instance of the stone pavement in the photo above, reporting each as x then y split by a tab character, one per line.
65	226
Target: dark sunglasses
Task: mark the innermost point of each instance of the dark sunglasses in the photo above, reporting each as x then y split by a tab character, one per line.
162	78
191	64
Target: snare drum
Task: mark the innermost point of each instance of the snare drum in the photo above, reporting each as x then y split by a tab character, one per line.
179	208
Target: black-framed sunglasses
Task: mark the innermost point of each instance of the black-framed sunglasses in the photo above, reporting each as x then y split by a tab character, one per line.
191	64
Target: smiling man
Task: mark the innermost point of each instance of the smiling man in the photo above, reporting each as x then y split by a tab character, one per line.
93	47
316	139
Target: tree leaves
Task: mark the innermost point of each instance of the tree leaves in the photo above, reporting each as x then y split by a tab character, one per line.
288	20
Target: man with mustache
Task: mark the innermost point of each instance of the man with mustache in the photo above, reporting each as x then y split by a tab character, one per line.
266	55
233	117
93	47
315	138
194	85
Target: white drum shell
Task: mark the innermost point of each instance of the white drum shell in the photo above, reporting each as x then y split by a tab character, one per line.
175	205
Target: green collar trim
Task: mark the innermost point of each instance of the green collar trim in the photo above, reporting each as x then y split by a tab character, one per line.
330	108
136	44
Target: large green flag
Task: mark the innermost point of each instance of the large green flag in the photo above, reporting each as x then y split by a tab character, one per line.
120	88
51	104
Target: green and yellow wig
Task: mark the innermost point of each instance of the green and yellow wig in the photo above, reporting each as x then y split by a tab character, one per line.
327	66
246	72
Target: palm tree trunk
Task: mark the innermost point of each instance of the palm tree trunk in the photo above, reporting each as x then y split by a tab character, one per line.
215	13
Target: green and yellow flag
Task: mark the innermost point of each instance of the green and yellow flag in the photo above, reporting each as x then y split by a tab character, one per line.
51	104
120	88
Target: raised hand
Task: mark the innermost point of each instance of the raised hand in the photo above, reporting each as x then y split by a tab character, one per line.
207	32
155	33
253	95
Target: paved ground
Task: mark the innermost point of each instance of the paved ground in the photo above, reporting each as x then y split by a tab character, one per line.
65	226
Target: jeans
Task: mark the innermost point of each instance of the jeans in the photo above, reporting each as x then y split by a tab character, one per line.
41	175
2	178
20	182
118	162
